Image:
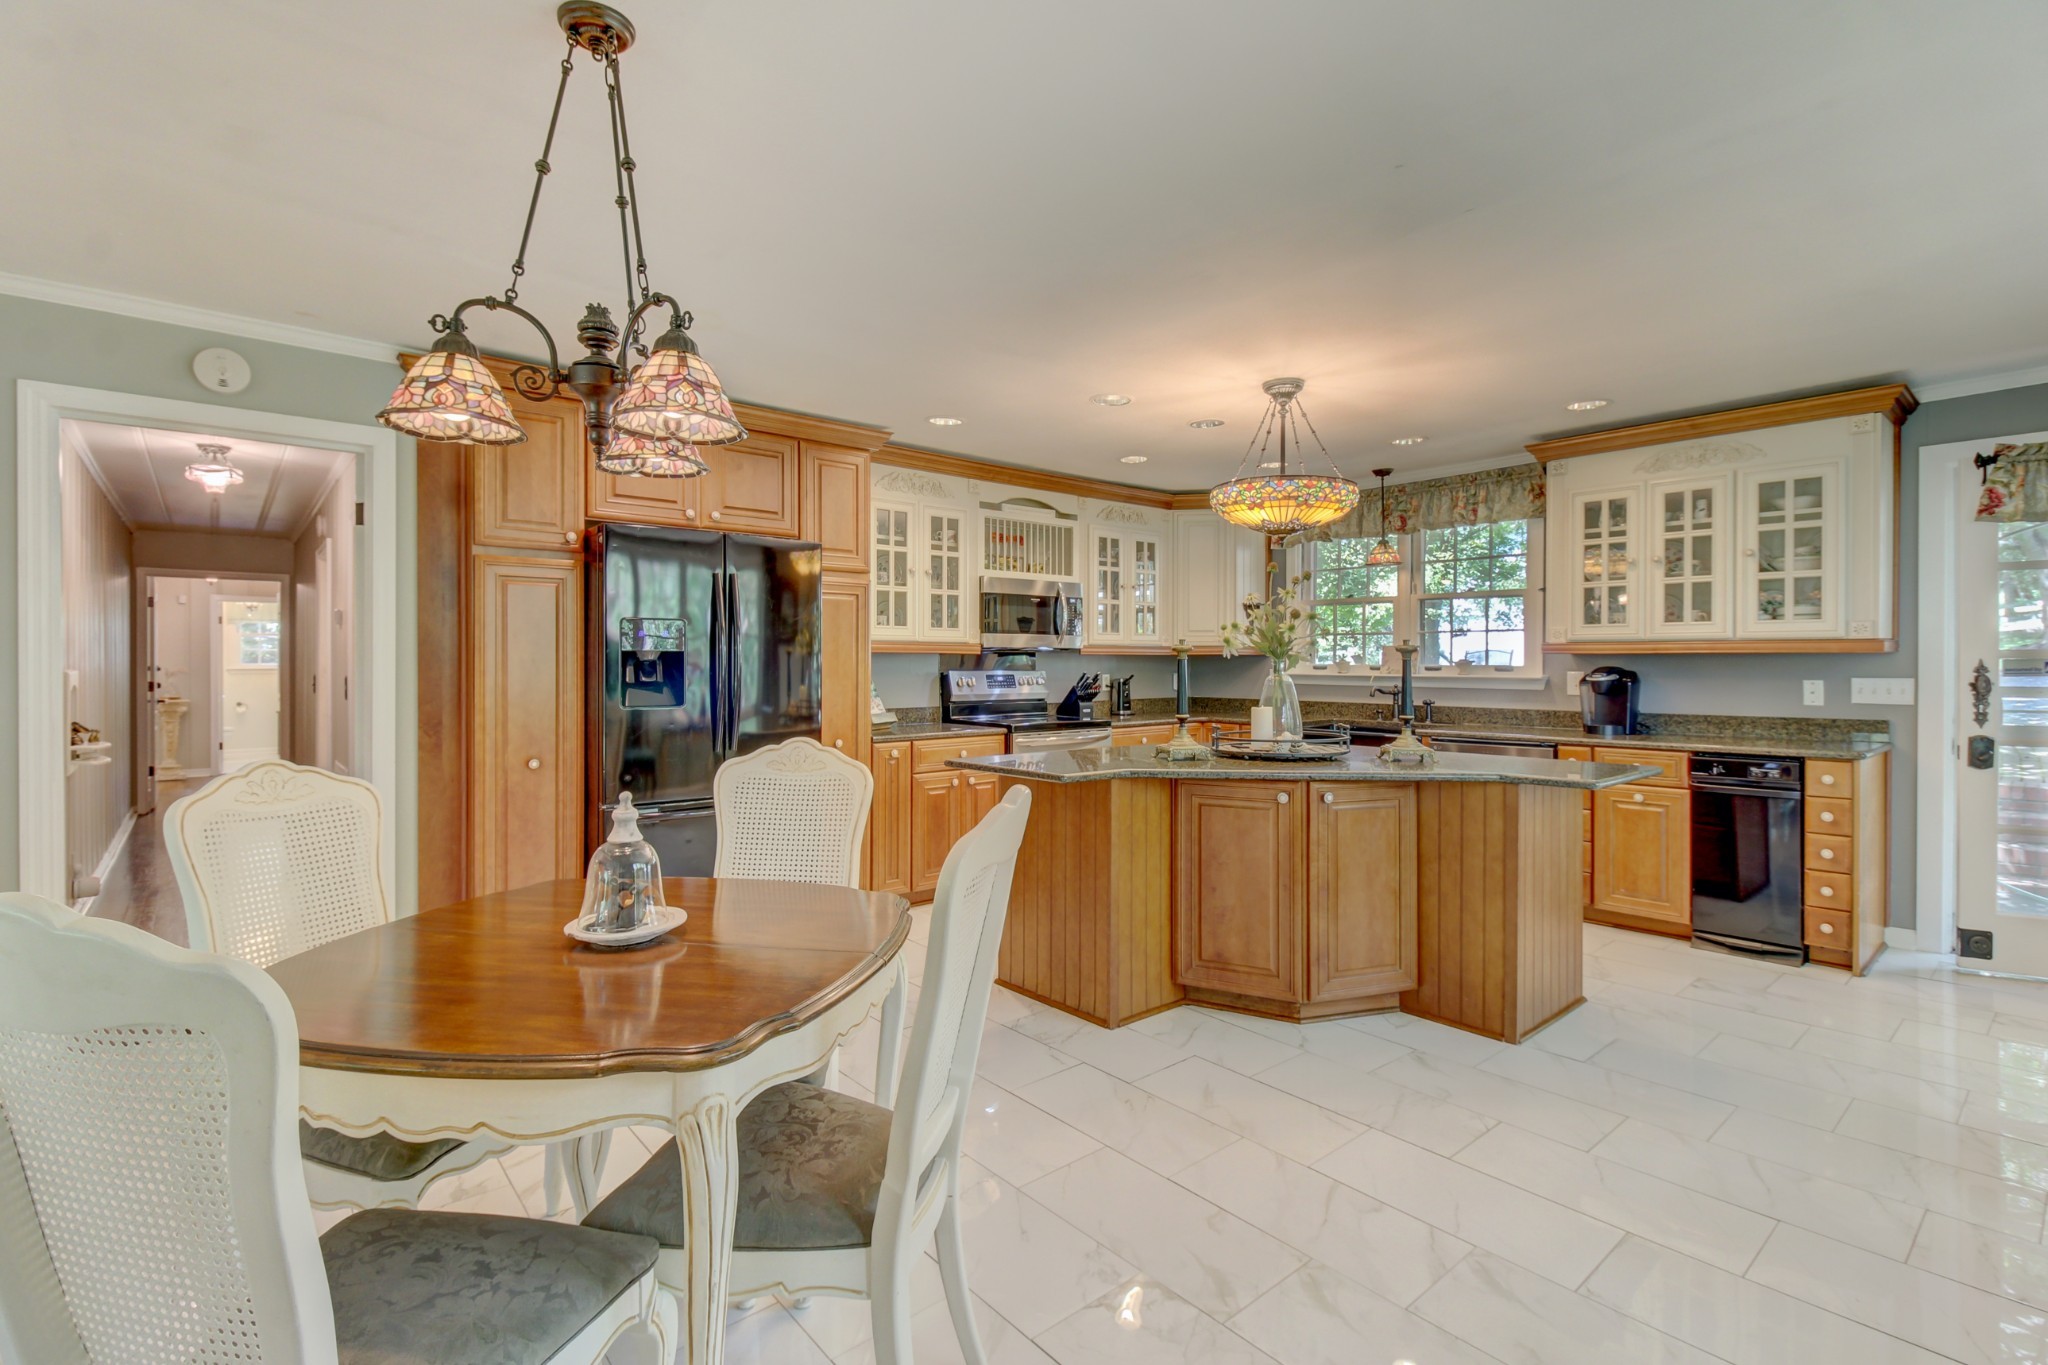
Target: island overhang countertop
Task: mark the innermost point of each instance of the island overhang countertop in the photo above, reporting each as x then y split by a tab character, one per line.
1359	765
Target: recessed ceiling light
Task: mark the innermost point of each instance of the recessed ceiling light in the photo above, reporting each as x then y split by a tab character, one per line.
1585	405
1206	423
1135	459
943	421
1408	440
1110	400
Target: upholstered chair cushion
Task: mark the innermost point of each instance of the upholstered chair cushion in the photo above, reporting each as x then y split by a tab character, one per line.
380	1156
811	1165
470	1288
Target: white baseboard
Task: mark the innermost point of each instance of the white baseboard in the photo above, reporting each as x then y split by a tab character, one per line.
106	863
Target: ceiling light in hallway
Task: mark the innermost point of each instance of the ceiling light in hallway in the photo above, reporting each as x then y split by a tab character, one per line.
217	472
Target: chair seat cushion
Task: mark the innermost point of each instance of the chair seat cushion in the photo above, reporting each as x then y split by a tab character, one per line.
810	1168
380	1156
415	1288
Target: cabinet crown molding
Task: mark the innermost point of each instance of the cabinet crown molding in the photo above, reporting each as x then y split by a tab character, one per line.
913	483
1701	455
1118	514
1890	401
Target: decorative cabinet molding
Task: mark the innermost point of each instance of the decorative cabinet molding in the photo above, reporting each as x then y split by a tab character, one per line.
910	483
1782	539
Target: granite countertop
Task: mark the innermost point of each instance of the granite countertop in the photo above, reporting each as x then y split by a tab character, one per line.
1778	747
1359	765
928	729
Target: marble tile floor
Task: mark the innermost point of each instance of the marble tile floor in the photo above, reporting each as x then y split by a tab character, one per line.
1712	1160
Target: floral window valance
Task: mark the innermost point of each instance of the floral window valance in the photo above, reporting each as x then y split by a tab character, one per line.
2016	487
1512	494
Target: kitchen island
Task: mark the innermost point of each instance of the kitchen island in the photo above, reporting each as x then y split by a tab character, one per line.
1300	890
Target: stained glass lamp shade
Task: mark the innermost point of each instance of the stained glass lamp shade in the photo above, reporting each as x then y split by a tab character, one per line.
1282	504
642	457
1383	553
675	396
448	395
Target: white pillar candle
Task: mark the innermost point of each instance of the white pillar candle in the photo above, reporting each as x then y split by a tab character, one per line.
1262	722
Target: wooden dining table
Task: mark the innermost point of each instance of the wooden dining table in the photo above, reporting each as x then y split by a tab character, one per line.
483	1017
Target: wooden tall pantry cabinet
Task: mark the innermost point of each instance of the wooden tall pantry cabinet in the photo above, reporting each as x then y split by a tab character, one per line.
504	772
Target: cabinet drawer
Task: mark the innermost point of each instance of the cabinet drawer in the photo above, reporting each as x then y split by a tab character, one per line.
927	754
1830	852
1827	928
1830	890
1670	763
1128	736
1830	815
1582	752
1830	777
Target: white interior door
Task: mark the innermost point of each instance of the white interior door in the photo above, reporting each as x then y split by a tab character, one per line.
2002	729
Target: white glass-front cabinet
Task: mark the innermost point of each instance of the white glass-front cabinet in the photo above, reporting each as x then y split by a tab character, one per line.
1758	538
1125	586
925	586
1791	570
1686	587
1608	536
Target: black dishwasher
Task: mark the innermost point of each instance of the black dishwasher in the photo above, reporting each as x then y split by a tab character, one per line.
1748	841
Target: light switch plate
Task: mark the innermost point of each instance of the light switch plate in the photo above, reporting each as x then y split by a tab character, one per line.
1814	692
1881	691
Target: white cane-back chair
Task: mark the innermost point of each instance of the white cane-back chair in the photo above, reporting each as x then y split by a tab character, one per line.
839	1196
152	1206
792	812
277	859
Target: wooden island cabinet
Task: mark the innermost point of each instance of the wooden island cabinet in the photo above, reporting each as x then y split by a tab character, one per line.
1300	892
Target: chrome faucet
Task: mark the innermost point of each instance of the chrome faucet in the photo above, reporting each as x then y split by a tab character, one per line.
1393	696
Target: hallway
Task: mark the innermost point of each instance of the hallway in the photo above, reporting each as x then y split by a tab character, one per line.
140	889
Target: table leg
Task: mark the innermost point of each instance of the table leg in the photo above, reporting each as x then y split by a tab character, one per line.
889	1049
708	1136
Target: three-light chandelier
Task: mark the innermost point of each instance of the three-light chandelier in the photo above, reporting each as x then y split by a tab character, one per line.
1281	503
648	421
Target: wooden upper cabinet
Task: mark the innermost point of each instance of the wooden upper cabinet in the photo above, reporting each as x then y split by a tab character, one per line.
843	626
526	721
1361	889
1642	852
643	501
833	508
889	821
752	487
529	496
1237	886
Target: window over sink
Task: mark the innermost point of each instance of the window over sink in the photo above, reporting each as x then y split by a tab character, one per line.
1469	596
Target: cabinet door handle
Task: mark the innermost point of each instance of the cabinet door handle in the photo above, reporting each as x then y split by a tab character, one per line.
1827	779
1281	798
1749	554
1827	855
956	781
533	763
1827	817
893	755
839	744
1827	928
1828	891
1638	796
689	514
718	516
1329	798
570	536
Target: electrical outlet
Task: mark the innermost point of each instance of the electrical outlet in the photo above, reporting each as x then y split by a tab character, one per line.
1973	943
1881	691
1814	692
1571	679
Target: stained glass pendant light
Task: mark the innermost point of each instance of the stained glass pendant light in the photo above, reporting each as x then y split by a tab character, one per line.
673	397
1283	502
216	473
1383	552
645	457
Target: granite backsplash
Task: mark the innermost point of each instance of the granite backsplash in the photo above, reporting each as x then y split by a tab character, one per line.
1805	728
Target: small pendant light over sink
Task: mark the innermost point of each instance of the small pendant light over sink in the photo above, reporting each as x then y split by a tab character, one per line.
1383	552
1282	502
671	403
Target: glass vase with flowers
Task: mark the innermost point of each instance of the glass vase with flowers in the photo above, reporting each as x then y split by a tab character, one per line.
1283	629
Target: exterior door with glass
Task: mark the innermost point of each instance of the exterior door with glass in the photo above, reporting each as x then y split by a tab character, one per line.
2002	748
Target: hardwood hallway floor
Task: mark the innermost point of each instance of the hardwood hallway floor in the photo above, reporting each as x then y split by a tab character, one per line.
139	888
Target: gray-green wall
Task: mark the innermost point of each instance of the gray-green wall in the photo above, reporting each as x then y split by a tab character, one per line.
75	346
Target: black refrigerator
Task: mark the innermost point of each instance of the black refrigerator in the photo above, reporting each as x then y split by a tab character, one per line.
704	646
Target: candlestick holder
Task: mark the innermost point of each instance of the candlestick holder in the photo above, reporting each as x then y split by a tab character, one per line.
1183	747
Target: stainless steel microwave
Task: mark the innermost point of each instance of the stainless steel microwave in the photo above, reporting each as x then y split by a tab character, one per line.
1030	613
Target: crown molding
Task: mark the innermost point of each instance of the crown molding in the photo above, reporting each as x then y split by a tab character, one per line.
1894	401
1017	476
204	319
1983	383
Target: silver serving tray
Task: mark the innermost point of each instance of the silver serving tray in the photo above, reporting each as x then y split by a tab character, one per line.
1315	746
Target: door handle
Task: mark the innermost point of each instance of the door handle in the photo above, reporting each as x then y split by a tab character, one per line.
1980	697
1983	751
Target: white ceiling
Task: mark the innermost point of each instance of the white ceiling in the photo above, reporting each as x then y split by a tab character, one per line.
143	471
1452	218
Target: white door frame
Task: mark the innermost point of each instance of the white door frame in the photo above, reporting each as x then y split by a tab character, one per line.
39	532
216	660
1939	688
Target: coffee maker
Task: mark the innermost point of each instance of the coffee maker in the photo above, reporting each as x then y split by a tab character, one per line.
1609	699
